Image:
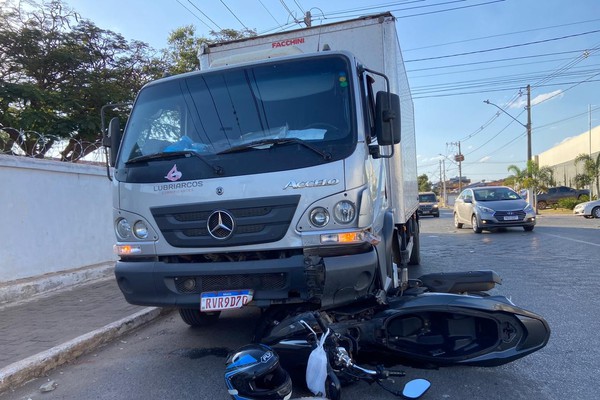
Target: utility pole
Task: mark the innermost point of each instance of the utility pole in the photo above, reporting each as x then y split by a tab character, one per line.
308	19
440	186
528	126
459	158
444	183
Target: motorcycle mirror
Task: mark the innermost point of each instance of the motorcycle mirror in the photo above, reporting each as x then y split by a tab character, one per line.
415	388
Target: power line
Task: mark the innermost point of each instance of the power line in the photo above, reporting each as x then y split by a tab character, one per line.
299	6
289	11
420	14
191	12
235	16
214	23
504	47
493	61
374	7
494	67
498	35
268	11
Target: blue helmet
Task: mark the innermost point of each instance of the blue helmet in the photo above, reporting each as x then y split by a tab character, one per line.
254	372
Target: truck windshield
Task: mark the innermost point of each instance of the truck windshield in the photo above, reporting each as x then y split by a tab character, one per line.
302	107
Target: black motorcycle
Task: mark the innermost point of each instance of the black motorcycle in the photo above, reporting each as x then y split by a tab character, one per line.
437	320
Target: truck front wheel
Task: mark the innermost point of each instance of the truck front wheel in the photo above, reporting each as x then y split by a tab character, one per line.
195	318
415	255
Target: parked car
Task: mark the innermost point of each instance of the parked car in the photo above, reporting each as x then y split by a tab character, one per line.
492	207
589	209
428	204
554	194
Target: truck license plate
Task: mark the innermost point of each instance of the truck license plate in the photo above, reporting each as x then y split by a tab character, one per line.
511	217
224	300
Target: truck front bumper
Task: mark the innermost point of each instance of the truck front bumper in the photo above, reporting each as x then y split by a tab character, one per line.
327	281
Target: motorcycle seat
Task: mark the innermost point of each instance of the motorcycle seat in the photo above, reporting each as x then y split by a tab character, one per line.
460	282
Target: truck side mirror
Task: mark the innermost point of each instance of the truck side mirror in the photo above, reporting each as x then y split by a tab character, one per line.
387	118
114	132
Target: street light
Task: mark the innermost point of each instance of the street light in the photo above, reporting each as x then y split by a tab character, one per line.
526	126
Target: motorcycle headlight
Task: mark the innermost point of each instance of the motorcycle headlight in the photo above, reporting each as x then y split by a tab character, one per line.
319	217
140	230
344	212
123	228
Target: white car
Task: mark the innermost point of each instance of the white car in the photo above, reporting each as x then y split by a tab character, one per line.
589	209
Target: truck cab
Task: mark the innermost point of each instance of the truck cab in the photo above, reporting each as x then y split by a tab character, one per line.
265	182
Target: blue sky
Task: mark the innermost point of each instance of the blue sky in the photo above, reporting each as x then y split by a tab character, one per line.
511	43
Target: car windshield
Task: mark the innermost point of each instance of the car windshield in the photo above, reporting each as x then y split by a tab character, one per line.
280	106
427	198
495	194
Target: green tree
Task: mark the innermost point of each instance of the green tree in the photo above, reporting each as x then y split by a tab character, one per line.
181	55
57	71
424	184
591	170
532	177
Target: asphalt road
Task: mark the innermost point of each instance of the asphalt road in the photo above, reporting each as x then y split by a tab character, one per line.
553	271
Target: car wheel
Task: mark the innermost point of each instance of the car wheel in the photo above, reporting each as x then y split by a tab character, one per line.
457	224
474	224
194	317
436	215
588	216
596	212
542	205
528	228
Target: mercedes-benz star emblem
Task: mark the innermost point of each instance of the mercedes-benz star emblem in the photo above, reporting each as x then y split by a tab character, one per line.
220	224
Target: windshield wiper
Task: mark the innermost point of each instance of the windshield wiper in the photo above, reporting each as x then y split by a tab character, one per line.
265	142
175	154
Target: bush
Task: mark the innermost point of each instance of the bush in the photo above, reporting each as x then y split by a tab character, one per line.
569	203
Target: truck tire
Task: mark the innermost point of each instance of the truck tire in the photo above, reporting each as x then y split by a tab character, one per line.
195	318
415	255
542	205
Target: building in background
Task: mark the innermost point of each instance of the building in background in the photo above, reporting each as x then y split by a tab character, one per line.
561	158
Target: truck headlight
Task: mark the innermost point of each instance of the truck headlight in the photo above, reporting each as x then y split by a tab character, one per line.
344	212
319	217
123	228
140	230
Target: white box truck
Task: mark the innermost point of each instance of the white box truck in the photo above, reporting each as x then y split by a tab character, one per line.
282	172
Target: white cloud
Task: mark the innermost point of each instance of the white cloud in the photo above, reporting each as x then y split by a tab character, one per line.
522	102
484	159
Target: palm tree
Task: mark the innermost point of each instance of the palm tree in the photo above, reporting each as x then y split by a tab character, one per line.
533	177
516	179
591	170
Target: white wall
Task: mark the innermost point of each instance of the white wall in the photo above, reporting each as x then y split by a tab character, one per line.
54	216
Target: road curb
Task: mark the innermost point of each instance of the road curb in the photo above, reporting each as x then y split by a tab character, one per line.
33	287
37	365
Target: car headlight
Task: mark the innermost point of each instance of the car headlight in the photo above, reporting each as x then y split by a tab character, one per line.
140	230
528	209
485	209
123	228
319	217
344	212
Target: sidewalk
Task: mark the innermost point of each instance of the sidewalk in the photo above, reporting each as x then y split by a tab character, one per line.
39	334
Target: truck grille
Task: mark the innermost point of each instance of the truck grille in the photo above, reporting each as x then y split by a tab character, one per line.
255	221
212	283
